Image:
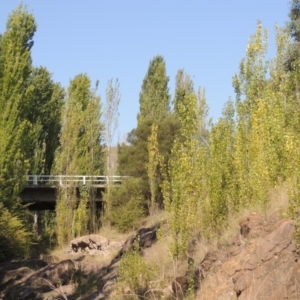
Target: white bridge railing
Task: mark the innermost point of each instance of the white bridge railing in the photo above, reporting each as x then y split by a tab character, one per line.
78	180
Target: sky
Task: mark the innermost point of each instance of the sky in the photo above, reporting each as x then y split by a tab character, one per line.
117	39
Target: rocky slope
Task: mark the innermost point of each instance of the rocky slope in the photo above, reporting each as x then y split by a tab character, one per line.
260	262
72	278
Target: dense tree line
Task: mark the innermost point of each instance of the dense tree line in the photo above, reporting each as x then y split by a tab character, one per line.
210	171
177	159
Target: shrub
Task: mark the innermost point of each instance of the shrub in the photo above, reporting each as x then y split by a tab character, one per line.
135	273
14	237
126	205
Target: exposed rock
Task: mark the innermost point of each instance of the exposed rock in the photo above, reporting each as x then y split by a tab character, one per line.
29	287
13	272
56	273
210	260
14	275
217	286
87	243
60	292
24	294
259	263
266	266
251	225
26	283
181	284
109	287
147	236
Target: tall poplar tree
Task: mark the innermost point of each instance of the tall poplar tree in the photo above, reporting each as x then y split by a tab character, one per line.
184	86
110	116
220	169
15	95
154	96
80	153
249	88
183	177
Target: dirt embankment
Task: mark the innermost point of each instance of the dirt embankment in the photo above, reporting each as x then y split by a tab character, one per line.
260	262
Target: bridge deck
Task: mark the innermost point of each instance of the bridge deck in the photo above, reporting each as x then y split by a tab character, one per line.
41	190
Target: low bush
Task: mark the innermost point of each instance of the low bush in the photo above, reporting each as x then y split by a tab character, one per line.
14	236
126	209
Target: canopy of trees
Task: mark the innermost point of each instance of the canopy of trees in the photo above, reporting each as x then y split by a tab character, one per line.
199	172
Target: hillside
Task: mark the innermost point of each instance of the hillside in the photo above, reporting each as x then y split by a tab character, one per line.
255	260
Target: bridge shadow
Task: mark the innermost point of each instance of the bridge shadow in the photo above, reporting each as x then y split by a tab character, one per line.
39	197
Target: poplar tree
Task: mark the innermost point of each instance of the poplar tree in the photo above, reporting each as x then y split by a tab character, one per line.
220	170
15	95
45	116
110	115
249	87
152	167
154	96
183	177
80	153
184	86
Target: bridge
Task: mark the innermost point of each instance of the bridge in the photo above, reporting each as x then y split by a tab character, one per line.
40	190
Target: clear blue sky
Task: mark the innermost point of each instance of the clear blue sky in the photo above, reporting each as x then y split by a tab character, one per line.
118	38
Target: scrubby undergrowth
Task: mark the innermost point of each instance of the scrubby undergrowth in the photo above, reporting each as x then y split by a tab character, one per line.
254	251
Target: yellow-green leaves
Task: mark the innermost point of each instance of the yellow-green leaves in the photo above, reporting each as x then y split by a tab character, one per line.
15	95
182	191
152	166
154	96
80	152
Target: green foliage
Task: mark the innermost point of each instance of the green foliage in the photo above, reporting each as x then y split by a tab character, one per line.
81	153
293	27
294	24
184	87
45	117
133	157
154	96
181	188
152	166
47	229
127	205
81	214
134	272
14	236
15	95
220	172
65	207
249	86
267	122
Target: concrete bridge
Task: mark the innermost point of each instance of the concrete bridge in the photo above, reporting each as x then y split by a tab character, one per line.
40	190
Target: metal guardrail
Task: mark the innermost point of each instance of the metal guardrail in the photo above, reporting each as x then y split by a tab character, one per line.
79	180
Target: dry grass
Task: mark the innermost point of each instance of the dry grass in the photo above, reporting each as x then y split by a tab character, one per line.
59	254
278	203
159	216
279	199
158	256
112	234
